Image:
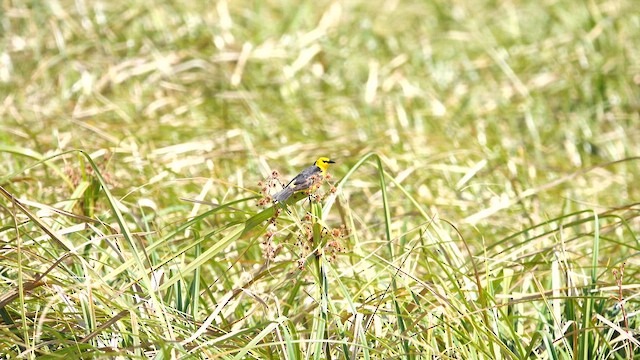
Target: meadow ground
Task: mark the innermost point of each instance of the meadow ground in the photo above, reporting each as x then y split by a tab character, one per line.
484	203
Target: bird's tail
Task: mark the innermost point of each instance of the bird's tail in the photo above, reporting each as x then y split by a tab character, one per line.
283	195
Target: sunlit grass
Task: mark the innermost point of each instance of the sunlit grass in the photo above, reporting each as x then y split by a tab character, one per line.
485	202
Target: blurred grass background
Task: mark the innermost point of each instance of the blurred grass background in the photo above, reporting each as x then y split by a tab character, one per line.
506	131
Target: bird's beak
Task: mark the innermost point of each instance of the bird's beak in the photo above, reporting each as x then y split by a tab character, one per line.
331	162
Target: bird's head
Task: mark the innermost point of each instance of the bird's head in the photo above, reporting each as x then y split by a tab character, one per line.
323	163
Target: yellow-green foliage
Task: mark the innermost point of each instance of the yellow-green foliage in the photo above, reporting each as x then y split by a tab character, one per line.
483	204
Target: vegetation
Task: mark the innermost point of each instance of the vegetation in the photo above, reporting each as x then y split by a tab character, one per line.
483	204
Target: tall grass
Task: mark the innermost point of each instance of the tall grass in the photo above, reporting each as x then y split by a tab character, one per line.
417	290
483	204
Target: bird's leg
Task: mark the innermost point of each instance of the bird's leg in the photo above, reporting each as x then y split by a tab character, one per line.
309	200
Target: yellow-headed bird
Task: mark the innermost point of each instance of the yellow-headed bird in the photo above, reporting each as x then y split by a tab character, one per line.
307	178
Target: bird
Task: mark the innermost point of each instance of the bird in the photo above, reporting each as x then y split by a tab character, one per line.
307	178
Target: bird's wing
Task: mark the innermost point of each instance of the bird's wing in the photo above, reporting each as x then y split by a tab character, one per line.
305	179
